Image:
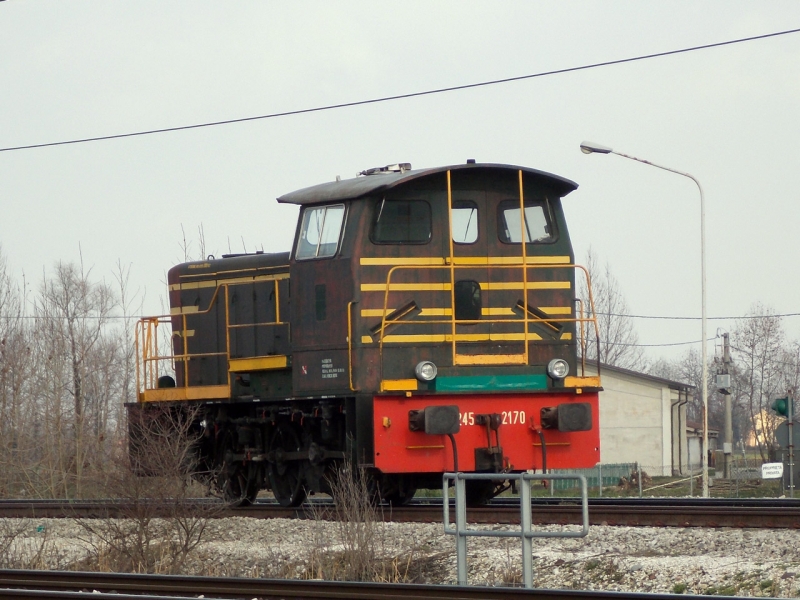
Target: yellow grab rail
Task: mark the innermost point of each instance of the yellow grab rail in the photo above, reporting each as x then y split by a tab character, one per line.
151	363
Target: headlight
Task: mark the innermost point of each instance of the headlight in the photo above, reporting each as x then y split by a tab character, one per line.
425	371
558	368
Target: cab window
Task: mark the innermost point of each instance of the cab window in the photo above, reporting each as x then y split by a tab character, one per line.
401	222
538	227
320	232
465	222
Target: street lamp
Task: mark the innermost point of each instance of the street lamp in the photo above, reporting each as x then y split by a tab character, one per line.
590	148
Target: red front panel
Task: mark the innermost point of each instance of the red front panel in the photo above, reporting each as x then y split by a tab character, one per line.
400	450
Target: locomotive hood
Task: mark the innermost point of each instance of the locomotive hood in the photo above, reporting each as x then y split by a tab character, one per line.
369	185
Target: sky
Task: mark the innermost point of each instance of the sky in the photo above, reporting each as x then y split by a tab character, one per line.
729	115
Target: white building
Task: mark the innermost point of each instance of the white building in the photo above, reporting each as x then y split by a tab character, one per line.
643	420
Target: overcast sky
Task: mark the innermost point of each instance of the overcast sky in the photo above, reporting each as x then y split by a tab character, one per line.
728	115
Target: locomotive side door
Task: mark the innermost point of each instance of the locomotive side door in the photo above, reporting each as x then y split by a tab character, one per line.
321	288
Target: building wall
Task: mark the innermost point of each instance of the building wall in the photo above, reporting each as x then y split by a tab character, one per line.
635	421
680	441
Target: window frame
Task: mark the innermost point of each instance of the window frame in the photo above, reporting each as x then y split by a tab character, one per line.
378	211
547	213
467	204
304	228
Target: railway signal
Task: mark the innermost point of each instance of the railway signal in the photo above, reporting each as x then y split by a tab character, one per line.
781	406
785	408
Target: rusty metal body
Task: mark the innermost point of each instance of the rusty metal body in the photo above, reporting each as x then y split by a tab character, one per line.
302	359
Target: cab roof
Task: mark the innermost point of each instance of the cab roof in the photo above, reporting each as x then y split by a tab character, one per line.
369	185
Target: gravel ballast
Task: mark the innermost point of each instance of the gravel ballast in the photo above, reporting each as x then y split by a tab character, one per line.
744	562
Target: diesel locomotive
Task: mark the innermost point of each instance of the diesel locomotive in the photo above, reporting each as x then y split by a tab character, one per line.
425	321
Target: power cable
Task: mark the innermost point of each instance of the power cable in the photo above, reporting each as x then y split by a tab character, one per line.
404	96
602	343
730	318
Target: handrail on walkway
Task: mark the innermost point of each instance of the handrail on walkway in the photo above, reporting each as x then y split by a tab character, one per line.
525	533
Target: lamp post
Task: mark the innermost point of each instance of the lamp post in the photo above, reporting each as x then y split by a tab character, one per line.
590	148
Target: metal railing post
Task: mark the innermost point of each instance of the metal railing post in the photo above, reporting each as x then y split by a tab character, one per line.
525	523
461	527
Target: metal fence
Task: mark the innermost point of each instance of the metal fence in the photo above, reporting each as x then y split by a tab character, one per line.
609	475
634	479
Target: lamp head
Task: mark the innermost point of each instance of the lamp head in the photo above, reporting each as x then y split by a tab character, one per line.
589	148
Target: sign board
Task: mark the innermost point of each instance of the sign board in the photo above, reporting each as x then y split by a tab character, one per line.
771	470
782	434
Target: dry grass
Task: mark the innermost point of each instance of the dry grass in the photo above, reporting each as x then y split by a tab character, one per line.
19	551
349	542
162	523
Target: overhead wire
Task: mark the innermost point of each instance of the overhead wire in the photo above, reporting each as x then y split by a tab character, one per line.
441	90
673	318
632	345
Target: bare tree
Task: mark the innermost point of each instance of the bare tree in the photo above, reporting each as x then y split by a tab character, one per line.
75	358
17	375
618	337
66	370
130	303
688	369
765	366
760	349
186	245
790	368
162	521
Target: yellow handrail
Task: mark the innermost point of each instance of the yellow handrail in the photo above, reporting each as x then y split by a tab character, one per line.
148	358
524	245
525	320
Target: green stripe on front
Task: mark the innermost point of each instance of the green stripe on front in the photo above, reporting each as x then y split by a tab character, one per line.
490	383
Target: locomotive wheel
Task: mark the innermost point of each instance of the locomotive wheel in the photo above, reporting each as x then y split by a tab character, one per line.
479	492
400	498
235	480
238	488
398	491
285	476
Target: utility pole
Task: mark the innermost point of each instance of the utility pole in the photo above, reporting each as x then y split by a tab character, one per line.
790	410
723	387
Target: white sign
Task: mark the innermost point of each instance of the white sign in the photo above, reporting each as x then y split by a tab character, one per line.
771	470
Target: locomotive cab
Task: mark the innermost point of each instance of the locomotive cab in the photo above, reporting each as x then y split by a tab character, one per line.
381	284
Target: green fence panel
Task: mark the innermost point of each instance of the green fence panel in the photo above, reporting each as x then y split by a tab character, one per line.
611	473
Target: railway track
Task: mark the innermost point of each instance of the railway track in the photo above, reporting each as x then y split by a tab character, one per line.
71	584
662	512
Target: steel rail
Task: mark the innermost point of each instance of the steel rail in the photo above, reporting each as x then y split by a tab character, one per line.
69	584
684	512
44	594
